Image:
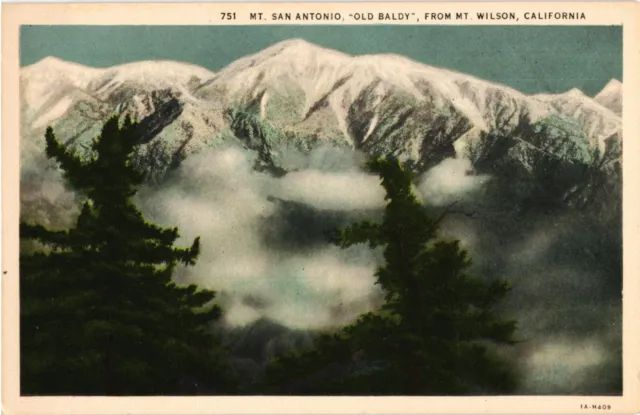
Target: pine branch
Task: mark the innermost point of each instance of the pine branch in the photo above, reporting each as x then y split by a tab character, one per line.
70	163
363	232
54	239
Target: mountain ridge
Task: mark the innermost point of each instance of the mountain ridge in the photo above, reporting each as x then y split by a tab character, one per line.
384	103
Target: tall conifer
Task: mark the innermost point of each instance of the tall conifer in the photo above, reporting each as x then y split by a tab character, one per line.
431	336
100	314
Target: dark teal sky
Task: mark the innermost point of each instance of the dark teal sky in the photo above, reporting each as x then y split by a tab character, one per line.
528	58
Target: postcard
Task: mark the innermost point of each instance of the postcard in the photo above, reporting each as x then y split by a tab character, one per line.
323	208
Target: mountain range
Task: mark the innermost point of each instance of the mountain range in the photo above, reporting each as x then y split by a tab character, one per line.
381	104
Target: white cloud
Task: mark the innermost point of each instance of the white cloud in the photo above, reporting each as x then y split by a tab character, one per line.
44	198
218	196
448	181
335	191
560	365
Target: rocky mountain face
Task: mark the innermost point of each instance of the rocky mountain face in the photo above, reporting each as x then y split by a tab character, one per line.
381	104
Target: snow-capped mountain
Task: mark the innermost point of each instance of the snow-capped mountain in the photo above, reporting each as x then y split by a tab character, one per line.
378	103
611	96
598	120
50	87
76	99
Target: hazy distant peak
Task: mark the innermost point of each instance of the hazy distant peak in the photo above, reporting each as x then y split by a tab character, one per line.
612	87
165	68
611	96
295	43
613	83
152	71
575	92
53	65
52	86
145	76
49	86
49	61
574	95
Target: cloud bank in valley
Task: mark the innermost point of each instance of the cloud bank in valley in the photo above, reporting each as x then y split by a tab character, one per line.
264	250
217	195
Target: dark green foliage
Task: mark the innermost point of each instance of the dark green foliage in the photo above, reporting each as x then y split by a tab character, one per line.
548	165
269	140
257	136
435	333
100	314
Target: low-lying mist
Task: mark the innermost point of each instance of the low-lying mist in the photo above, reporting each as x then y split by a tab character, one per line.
265	251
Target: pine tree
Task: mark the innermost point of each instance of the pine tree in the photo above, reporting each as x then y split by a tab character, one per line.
100	314
432	336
